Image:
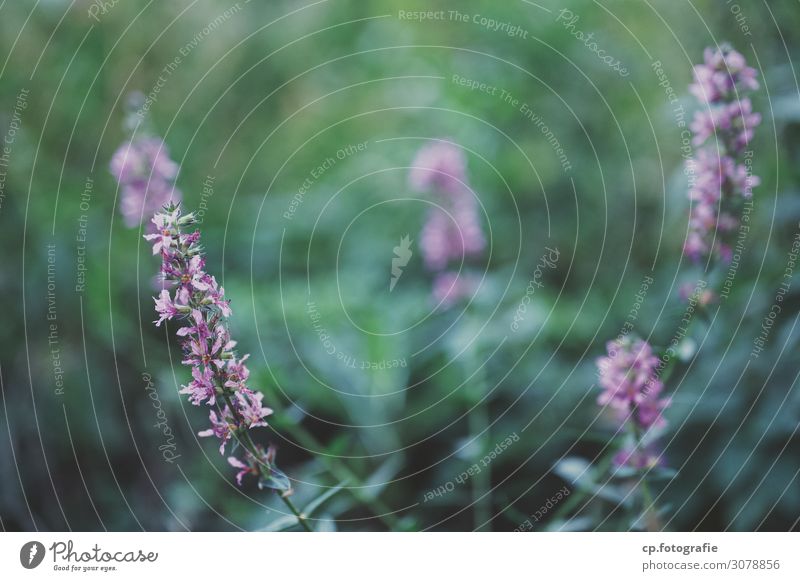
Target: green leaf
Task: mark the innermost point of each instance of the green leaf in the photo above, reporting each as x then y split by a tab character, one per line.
339	445
276	480
577	471
317	502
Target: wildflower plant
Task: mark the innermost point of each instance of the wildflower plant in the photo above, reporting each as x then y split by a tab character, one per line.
195	300
631	374
451	235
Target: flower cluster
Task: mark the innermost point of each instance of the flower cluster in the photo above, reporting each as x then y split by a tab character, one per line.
632	389
439	166
219	377
146	176
452	231
720	172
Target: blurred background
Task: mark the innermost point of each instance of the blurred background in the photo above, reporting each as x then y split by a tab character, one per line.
384	401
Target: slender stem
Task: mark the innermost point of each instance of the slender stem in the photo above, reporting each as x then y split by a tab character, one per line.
479	426
247	441
301	518
649	512
648	504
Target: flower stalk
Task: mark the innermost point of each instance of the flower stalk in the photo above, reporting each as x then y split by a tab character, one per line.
720	180
452	232
194	299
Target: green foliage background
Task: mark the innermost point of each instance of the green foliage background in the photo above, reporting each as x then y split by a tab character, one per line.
257	105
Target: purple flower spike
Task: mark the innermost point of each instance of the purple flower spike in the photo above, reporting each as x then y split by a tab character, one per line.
219	378
631	387
719	175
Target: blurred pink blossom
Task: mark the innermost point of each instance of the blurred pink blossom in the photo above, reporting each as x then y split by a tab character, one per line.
146	177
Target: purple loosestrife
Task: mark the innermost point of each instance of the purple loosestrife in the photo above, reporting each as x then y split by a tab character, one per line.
632	390
720	178
219	378
146	176
452	230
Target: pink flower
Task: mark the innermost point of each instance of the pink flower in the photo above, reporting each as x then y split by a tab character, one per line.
250	408
695	246
221	427
438	166
631	387
452	231
253	464
146	175
244	469
236	373
734	122
199	329
165	308
436	244
164	236
743	122
723	70
200	353
201	389
192	276
720	174
216	296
